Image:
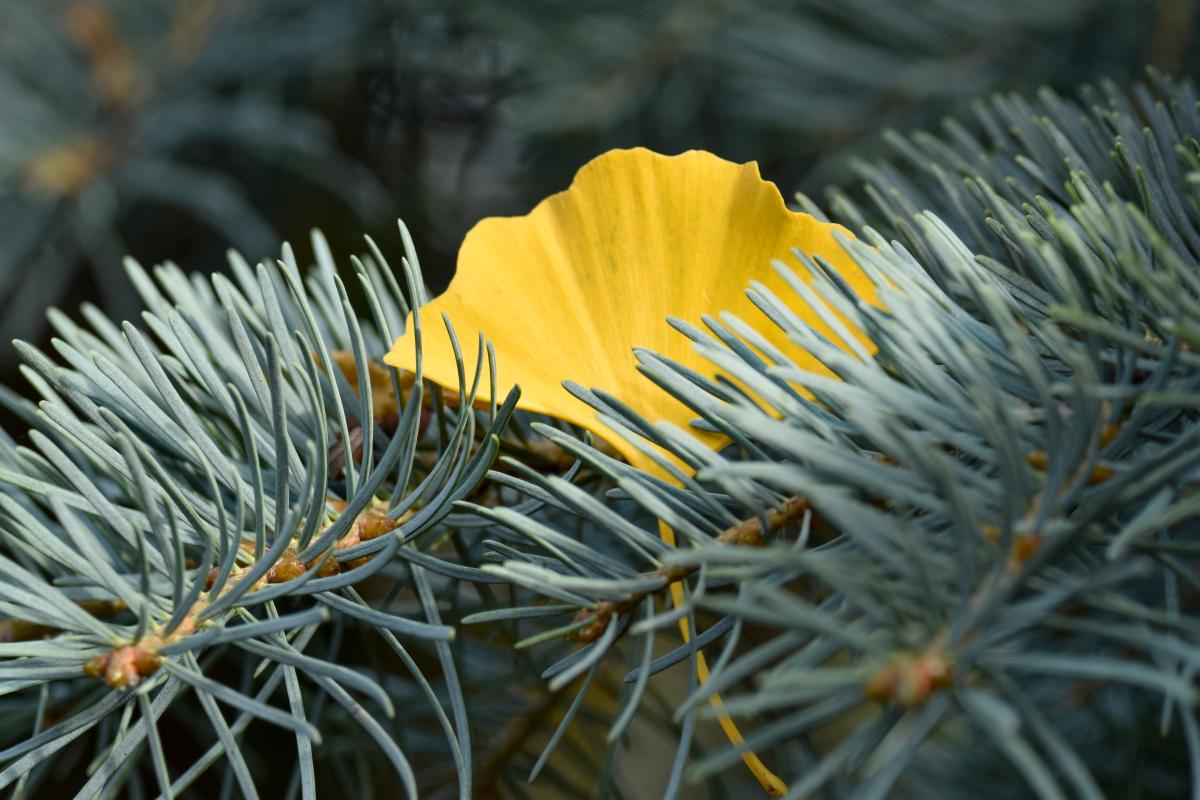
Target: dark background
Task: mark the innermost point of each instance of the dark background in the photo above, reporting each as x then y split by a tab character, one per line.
247	122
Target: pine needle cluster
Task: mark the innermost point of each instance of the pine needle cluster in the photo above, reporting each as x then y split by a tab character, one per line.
965	567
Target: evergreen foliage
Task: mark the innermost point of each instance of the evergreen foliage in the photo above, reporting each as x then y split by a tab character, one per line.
193	508
112	105
982	536
131	124
796	68
966	568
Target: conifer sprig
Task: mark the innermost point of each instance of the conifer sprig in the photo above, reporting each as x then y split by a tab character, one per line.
969	556
207	490
999	501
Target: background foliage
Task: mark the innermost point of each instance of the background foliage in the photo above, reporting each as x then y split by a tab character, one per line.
175	130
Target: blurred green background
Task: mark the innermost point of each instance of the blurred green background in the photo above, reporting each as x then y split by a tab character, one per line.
165	129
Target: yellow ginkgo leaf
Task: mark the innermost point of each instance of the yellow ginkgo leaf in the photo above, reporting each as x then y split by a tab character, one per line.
569	290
